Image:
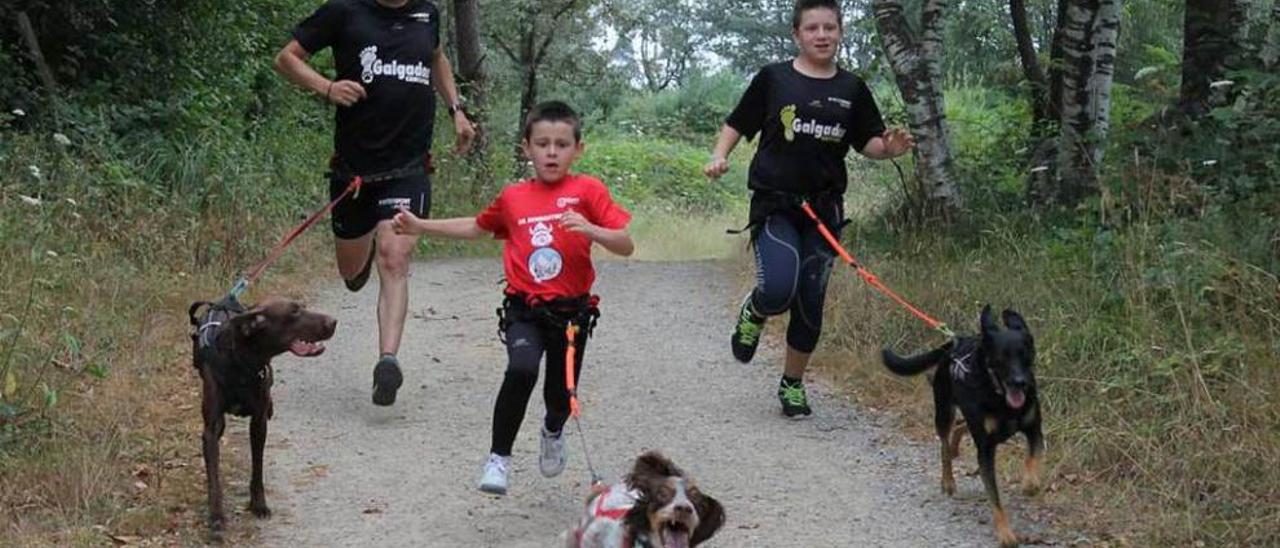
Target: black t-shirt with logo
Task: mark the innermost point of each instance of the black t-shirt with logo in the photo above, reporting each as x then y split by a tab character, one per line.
389	52
806	127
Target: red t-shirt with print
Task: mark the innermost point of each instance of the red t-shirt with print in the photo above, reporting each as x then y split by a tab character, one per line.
542	260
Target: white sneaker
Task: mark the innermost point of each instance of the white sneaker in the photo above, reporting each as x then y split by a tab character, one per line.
494	479
551	457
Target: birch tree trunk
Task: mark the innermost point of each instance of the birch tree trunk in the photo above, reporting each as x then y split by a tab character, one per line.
1089	29
917	68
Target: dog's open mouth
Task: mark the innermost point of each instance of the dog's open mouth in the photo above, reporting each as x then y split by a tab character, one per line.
675	534
1015	398
306	349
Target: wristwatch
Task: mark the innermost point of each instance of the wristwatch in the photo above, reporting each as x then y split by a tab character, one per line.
454	109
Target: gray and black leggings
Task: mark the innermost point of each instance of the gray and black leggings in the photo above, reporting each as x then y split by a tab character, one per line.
527	340
793	263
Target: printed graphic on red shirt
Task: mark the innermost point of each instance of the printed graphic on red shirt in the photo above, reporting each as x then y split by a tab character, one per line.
541	259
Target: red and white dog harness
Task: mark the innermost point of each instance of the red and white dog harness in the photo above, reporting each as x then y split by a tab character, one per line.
602	525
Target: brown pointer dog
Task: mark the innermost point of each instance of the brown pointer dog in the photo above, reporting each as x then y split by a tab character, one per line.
233	349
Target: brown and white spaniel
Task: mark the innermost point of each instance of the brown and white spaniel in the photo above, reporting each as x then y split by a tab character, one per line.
657	506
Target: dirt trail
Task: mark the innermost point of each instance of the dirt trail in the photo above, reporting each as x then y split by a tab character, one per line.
342	472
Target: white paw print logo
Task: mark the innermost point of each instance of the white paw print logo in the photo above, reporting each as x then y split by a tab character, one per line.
368	56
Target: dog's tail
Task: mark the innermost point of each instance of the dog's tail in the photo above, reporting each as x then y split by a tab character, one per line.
913	365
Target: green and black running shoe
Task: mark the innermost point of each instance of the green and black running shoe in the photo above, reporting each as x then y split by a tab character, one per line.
746	334
795	402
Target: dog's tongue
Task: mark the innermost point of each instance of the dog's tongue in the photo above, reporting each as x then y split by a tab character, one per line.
1015	398
305	349
677	538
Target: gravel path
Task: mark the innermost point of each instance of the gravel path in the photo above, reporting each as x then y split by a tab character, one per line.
342	472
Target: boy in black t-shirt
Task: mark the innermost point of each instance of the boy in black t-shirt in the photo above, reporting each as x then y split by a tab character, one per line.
389	66
808	112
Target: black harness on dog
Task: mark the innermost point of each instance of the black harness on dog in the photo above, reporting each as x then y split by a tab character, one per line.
583	311
967	349
206	326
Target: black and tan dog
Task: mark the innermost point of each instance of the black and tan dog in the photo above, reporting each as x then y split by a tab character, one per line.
233	348
989	378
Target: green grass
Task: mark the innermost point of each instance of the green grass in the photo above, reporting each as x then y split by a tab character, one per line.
102	251
671	236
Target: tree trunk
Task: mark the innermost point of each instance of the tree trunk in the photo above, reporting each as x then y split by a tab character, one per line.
471	75
1046	100
1270	53
530	55
917	68
1206	46
28	33
1031	69
1089	30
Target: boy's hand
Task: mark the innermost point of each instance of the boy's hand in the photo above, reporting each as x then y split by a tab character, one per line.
575	222
716	167
406	223
898	141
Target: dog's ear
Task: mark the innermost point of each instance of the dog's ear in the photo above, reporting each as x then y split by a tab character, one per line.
654	464
1014	321
710	518
989	326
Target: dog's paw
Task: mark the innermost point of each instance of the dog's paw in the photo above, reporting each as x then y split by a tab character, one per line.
1005	535
260	510
949	487
1007	539
1031	486
217	527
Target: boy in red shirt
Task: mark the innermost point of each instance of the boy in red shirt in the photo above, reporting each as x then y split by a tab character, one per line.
549	223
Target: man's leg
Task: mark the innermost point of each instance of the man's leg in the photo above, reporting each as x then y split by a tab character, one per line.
353	223
353	255
393	255
393	258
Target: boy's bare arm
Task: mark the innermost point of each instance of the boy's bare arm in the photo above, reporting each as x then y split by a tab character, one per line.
461	228
719	164
617	241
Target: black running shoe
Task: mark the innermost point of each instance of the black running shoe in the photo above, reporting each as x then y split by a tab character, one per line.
746	334
386	380
354	284
795	402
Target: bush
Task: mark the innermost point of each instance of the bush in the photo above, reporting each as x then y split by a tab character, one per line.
660	173
691	113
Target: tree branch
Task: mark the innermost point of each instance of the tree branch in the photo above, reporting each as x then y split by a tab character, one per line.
505	48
